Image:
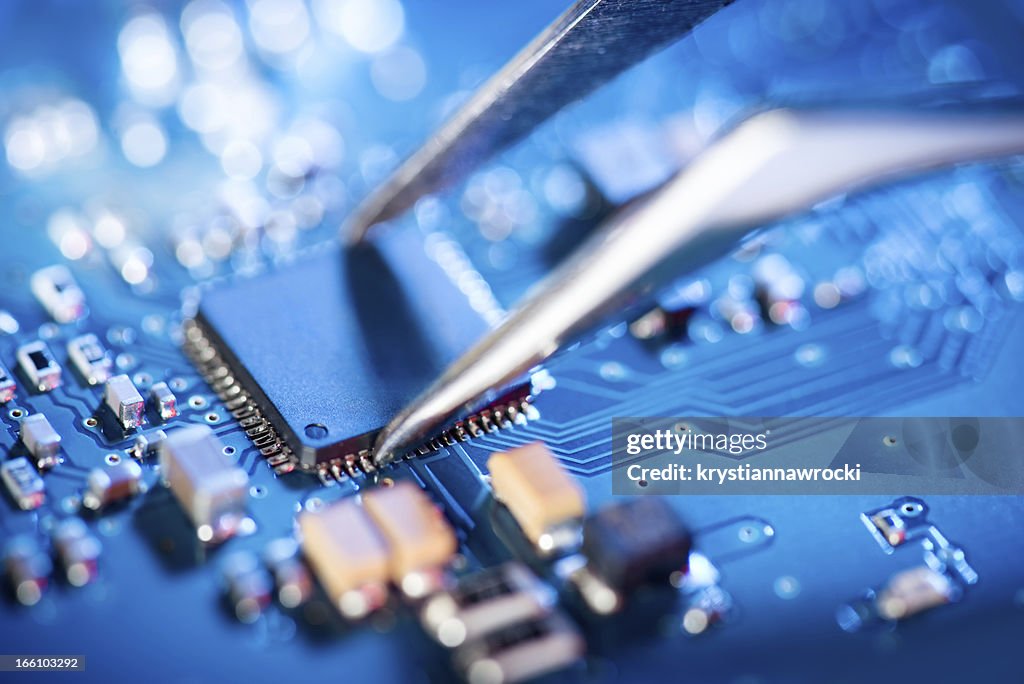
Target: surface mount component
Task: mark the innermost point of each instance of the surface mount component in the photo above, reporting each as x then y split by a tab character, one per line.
163	401
635	542
914	591
147	445
544	499
348	556
59	294
7	385
28	569
23	483
247	585
40	368
123	398
891	525
292	579
629	544
520	651
355	337
90	359
420	540
41	440
78	551
206	482
485	601
113	483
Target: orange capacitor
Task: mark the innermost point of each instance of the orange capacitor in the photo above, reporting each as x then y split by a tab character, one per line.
913	591
347	554
540	494
416	532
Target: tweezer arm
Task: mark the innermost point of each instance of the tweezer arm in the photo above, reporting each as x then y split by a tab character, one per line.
584	48
773	165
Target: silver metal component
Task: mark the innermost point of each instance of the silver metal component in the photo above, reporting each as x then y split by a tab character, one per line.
163	400
7	386
125	401
41	440
592	42
520	651
90	359
28	568
23	483
293	581
78	551
484	602
147	445
113	483
37	363
208	485
59	294
558	539
773	165
247	585
596	593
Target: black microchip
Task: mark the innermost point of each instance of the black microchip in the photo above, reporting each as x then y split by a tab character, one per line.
636	542
331	346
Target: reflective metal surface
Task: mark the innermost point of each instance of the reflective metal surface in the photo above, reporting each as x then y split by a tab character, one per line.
772	165
584	48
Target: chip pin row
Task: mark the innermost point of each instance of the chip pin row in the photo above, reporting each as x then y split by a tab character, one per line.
237	401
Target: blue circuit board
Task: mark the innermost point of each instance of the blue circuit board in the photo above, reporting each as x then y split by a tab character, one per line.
159	151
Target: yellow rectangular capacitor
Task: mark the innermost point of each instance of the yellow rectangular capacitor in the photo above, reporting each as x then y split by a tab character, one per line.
542	497
913	591
348	556
418	536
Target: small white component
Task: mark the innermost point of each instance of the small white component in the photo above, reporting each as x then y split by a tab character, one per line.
207	483
112	484
24	483
7	386
8	323
164	401
247	584
90	359
37	363
41	440
147	445
28	569
59	294
78	551
125	401
292	578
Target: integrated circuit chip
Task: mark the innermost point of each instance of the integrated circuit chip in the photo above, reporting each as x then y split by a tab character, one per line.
315	357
